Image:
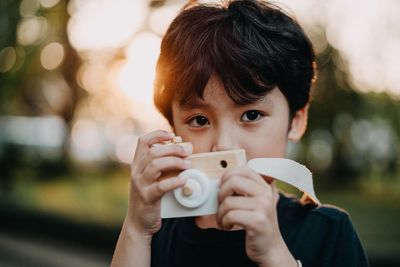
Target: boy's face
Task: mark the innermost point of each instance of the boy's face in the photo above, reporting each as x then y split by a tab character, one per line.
217	123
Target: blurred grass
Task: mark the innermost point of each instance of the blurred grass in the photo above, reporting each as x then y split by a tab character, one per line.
87	197
101	198
376	216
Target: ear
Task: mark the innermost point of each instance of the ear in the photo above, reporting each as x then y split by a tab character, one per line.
298	125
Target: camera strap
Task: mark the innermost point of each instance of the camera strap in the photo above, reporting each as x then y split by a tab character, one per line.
287	171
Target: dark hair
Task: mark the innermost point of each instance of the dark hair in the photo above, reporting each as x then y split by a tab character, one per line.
250	45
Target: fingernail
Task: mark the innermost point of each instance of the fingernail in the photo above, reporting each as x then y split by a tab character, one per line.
187	163
177	139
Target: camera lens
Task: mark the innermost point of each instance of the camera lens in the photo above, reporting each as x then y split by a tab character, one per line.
223	163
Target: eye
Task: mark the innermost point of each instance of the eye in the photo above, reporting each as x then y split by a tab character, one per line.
198	121
251	115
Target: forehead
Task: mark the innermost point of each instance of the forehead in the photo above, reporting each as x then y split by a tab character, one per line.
215	96
214	92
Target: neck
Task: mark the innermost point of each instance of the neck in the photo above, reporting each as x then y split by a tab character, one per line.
208	221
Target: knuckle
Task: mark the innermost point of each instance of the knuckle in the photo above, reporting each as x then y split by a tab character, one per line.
220	195
235	180
261	204
259	218
180	161
142	139
153	152
160	188
175	161
153	164
230	215
179	150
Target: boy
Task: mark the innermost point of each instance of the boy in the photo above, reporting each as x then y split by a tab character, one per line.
231	76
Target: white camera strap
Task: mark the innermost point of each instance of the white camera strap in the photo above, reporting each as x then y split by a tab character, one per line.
287	171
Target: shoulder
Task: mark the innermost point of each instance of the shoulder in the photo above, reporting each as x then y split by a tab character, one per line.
291	206
327	221
330	212
323	230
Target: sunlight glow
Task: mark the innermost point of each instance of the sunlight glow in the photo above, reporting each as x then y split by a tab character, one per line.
366	34
118	42
104	24
364	31
137	75
160	19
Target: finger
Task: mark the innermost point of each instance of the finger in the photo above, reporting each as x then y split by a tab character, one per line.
245	172
158	166
275	193
249	220
181	150
141	157
145	141
156	190
234	202
238	185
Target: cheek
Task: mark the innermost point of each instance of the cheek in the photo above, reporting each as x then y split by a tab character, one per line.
268	143
200	142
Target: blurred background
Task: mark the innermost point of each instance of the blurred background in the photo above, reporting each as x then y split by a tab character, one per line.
76	92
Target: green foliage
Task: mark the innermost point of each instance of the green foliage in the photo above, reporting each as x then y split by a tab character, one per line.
359	132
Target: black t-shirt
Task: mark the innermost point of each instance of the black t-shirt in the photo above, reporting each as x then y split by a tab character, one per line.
320	236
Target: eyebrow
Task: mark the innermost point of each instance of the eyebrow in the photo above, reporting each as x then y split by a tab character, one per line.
193	103
198	103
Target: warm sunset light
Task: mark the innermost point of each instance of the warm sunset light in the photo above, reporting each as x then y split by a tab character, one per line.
79	170
364	32
119	43
137	75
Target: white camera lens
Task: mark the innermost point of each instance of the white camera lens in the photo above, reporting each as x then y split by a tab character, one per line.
196	190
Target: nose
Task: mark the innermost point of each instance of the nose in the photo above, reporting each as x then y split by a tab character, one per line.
225	139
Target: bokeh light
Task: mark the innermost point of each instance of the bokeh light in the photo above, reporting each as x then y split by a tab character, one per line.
320	151
49	3
8	57
124	147
31	30
28	8
52	55
86	141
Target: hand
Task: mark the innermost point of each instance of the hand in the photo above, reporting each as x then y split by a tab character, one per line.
146	190
248	201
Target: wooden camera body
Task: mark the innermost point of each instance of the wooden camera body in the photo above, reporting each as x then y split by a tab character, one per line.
199	195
